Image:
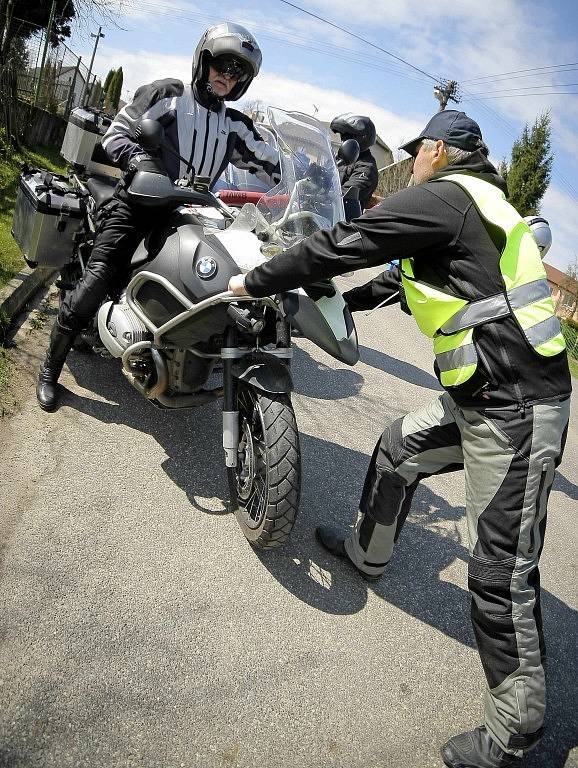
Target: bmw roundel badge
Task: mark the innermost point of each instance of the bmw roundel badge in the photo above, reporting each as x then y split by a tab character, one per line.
206	267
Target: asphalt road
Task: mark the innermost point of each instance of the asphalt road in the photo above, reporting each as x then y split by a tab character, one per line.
138	627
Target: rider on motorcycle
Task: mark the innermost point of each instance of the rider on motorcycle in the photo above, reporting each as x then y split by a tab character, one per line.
198	126
362	174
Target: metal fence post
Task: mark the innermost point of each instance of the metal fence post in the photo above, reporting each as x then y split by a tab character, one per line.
69	103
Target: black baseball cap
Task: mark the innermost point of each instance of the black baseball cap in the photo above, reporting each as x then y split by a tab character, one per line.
454	128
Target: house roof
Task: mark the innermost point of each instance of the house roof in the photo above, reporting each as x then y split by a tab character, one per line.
561	279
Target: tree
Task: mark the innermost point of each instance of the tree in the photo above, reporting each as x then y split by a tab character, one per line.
116	89
107	80
27	16
95	94
113	91
528	174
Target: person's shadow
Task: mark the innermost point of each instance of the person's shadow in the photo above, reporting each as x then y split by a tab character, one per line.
398	368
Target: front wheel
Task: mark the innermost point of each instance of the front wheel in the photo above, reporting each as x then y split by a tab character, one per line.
265	485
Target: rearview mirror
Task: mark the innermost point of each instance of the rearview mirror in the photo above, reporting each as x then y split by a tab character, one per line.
149	134
349	151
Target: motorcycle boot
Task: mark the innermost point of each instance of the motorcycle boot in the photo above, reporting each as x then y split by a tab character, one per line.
334	542
61	341
476	749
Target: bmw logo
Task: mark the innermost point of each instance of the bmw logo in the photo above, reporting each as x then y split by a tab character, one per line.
206	267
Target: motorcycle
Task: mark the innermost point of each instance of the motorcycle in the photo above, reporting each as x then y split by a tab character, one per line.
176	320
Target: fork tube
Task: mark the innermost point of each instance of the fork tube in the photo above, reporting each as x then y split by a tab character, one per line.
230	412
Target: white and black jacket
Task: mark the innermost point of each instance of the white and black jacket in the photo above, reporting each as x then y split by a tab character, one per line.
209	137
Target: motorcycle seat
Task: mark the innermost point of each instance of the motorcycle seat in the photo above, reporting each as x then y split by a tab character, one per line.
101	190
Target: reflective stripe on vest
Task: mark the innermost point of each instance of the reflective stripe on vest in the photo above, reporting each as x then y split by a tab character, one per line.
520	265
450	320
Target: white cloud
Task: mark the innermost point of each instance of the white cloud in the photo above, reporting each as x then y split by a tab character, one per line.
560	210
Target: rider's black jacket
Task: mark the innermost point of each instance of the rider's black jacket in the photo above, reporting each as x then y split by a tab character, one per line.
437	225
361	175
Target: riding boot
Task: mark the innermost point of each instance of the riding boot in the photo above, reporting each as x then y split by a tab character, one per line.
61	341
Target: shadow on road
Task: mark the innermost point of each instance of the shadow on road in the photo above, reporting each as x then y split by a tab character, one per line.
191	438
415	581
398	368
419	578
314	379
561	483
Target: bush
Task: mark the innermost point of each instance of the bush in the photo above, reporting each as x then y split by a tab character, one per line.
570	331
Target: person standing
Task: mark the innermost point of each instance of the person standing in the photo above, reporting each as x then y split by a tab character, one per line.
476	286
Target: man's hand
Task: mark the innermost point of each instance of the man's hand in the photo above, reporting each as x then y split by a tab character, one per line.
237	285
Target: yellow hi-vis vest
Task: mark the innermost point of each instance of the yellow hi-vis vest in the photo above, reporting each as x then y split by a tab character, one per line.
450	320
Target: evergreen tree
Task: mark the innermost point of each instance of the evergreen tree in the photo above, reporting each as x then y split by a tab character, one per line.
528	174
95	94
116	89
107	80
109	91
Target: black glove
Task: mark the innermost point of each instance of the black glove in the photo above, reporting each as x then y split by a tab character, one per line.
142	161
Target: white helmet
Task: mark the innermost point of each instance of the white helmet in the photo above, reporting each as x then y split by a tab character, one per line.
542	233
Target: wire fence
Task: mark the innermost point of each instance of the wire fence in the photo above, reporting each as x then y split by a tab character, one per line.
56	80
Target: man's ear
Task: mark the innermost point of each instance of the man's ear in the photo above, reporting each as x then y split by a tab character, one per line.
440	158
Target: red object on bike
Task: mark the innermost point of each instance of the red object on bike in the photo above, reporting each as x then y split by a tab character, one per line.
238	197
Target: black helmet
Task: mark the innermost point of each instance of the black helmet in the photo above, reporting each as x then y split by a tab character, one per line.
350	126
227	39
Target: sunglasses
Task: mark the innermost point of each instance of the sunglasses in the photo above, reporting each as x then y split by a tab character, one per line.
226	65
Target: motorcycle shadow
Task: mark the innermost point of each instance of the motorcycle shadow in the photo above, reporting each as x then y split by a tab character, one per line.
322	382
191	438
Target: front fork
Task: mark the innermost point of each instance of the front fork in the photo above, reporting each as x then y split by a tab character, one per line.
230	412
230	354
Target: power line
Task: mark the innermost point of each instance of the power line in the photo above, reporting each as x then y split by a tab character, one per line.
544	93
519	77
526	88
291	39
517	71
361	39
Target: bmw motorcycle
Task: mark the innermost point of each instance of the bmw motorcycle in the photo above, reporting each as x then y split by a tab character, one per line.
176	322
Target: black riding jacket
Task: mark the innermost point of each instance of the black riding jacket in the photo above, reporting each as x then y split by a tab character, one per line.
437	225
361	175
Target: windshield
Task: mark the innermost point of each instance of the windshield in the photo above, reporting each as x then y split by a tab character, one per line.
308	198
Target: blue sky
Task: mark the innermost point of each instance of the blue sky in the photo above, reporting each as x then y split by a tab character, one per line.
310	66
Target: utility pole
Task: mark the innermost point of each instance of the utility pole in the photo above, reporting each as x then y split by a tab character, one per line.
97	36
46	42
445	92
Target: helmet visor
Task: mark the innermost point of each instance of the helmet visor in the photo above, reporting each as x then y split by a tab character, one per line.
229	65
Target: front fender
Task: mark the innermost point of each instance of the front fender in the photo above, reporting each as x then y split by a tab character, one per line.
263	372
326	322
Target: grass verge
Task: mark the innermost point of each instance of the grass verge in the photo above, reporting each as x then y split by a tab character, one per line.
10	164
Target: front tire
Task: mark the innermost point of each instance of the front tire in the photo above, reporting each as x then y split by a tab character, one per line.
265	485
